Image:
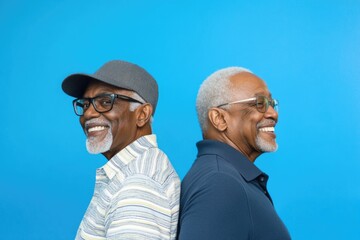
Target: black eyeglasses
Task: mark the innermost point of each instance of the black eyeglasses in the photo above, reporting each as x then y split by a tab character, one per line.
102	103
262	103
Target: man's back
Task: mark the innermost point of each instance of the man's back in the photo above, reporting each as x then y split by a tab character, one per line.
136	195
223	197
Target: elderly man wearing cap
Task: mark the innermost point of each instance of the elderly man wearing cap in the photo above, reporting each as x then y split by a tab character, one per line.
137	191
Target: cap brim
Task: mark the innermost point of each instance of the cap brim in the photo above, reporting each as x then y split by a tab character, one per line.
75	85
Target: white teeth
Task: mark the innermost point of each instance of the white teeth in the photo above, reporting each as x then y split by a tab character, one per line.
97	128
267	129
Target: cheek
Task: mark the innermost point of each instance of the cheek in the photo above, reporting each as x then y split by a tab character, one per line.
249	120
119	124
82	121
247	114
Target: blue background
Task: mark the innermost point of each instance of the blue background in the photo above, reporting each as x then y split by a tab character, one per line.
307	51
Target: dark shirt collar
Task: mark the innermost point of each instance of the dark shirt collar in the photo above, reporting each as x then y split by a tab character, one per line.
244	166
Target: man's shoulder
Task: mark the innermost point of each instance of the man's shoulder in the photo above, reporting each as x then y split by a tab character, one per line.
154	164
210	186
150	170
207	169
210	165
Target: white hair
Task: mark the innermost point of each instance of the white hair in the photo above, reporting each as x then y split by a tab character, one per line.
134	105
215	90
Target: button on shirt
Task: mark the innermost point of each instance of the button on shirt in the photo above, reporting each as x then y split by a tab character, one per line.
224	196
136	196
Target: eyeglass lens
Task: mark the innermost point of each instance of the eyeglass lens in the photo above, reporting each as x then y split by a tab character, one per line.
263	103
100	103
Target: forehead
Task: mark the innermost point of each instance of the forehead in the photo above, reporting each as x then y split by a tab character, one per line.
96	87
246	84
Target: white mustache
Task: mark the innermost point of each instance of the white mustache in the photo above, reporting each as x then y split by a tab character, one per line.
266	122
97	121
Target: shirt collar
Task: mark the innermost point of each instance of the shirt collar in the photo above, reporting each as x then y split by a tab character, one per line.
244	166
129	153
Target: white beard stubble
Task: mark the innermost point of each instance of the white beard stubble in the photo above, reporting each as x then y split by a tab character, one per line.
261	143
95	146
264	145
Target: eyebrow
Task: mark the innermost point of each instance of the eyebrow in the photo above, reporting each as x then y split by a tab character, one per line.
263	94
101	93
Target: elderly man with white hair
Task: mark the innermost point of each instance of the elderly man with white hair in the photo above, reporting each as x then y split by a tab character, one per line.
224	195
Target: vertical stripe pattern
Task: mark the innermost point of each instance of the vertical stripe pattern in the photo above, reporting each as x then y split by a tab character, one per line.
136	196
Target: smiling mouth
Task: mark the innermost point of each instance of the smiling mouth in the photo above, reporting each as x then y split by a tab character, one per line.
96	128
96	131
267	129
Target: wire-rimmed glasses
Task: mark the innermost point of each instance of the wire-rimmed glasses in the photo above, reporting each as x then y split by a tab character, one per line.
262	103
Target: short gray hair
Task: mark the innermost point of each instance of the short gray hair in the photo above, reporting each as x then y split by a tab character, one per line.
135	105
215	90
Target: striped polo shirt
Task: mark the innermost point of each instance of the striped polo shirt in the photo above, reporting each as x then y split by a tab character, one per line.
136	196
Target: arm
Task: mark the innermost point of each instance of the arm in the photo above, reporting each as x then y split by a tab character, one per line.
218	210
140	210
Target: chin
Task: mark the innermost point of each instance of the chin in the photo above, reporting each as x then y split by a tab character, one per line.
96	147
266	146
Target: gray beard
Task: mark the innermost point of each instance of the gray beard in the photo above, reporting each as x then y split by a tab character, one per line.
265	146
94	146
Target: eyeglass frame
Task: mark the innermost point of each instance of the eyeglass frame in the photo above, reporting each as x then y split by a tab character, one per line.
268	103
112	95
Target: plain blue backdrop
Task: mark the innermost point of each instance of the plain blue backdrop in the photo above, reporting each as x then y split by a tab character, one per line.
307	51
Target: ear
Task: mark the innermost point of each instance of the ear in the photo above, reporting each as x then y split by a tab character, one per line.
143	114
217	118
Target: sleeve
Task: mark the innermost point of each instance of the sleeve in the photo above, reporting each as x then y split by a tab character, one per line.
140	210
218	210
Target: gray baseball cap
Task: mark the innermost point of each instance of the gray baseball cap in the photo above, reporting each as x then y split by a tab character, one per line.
119	74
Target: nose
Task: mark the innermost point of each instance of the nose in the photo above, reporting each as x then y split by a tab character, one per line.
271	113
91	112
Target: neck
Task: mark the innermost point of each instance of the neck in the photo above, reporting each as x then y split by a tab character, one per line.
143	131
222	137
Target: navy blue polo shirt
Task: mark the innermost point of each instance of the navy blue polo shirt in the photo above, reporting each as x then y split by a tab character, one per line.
224	196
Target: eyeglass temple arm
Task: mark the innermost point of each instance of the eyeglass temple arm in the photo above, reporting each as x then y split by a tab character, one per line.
240	101
126	98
